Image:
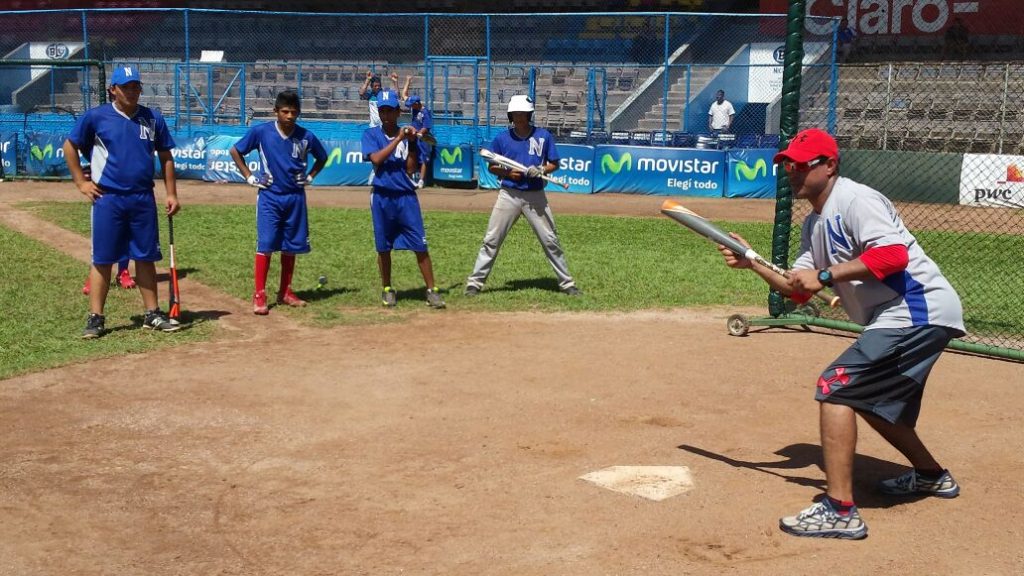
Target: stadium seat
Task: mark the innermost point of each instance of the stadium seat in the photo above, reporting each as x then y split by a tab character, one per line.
599	137
620	138
683	140
640	138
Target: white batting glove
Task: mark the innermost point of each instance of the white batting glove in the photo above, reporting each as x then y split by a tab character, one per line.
262	183
303	180
534	172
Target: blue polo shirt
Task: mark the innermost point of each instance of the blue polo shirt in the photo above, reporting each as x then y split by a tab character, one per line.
120	148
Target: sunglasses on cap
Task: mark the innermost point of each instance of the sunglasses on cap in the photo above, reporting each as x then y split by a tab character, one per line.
791	166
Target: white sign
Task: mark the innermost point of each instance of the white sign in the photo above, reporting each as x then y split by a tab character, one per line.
51	51
765	77
992	180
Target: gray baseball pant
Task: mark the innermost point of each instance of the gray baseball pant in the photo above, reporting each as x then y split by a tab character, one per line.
510	205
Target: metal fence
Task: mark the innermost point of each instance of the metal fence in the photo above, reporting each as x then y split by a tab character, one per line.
590	73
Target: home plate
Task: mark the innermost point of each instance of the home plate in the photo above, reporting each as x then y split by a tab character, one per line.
652	482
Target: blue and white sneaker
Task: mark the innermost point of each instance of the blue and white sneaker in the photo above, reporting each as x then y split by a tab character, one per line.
822	521
913	484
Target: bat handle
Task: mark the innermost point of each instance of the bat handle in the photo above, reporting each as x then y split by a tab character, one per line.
831	299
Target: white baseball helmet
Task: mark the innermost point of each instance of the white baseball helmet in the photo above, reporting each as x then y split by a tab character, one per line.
520	103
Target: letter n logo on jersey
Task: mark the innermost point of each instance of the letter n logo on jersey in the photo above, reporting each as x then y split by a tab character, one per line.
145	131
537	147
835	235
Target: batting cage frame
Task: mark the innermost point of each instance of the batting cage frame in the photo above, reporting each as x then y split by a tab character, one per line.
1000	337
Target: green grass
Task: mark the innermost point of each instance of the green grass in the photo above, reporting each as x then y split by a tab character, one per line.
44	312
619	263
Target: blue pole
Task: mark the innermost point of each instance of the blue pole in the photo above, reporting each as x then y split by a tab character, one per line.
188	77
591	88
665	84
490	70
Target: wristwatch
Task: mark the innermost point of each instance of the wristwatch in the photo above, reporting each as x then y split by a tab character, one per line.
825	277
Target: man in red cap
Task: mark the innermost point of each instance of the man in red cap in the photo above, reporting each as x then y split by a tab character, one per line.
855	242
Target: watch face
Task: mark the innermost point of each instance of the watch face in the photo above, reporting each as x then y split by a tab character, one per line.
824	276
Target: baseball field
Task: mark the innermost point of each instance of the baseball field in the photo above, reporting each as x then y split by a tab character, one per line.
346	439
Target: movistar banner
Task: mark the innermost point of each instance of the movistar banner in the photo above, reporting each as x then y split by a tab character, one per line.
45	155
189	158
453	163
219	165
345	165
659	171
8	153
751	173
575	167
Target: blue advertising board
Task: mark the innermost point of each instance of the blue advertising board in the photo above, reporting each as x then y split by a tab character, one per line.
659	171
751	173
345	164
189	158
8	153
219	165
45	155
576	167
453	163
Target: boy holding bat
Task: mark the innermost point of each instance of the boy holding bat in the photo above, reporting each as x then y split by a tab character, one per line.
397	219
855	241
522	194
120	139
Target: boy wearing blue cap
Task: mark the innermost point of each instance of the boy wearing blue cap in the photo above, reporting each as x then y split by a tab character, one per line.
423	122
120	139
397	220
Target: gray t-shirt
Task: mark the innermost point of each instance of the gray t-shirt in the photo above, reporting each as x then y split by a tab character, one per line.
856	218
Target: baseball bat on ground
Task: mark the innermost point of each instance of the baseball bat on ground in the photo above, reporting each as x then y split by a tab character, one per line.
513	165
175	299
705	228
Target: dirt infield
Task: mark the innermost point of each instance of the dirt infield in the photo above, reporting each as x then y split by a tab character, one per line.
453	443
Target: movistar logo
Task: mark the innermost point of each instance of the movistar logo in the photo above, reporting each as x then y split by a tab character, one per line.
39	154
745	172
609	164
452	156
336	156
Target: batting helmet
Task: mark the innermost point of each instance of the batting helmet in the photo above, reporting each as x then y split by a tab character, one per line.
520	103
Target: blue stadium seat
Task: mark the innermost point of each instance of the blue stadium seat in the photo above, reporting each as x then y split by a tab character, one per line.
598	137
683	140
640	138
577	137
660	138
620	138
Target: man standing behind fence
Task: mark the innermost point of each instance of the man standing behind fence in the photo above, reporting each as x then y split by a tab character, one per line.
721	114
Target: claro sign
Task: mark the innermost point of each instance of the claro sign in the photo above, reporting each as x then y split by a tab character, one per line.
916	17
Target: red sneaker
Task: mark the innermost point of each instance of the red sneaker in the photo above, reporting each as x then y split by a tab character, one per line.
87	288
288	297
259	304
125	280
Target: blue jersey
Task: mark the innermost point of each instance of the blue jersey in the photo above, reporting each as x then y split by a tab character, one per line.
535	150
422	119
390	176
120	149
286	158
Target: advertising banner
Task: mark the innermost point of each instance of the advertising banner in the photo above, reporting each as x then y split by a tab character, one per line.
659	171
345	165
764	79
8	153
219	165
906	17
45	155
453	163
751	173
992	180
189	158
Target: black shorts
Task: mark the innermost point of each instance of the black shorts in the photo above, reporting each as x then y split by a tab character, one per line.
884	372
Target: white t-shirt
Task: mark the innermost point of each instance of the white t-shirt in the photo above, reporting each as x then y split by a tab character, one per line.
720	114
856	218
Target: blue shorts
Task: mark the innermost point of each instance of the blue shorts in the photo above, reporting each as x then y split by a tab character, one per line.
884	372
397	221
281	223
125	226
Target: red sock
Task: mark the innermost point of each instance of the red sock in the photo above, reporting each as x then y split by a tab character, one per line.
841	506
262	266
287	268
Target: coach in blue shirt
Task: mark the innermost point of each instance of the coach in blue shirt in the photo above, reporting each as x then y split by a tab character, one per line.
120	139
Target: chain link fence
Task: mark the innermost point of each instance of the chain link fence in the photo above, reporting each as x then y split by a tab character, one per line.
943	139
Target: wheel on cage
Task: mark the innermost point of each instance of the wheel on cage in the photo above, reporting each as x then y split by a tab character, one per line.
738	325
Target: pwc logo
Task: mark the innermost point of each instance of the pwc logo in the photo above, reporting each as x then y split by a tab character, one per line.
452	156
609	164
744	172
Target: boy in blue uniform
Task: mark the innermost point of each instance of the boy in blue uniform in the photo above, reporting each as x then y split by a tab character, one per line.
423	122
281	219
522	195
397	219
120	139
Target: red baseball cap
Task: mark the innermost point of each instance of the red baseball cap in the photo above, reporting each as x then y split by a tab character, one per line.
808	145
